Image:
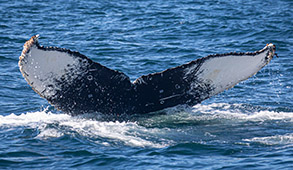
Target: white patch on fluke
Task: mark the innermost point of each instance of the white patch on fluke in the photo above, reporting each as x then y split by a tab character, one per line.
224	72
43	67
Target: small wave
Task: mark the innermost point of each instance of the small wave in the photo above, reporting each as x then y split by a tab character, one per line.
241	112
49	133
216	113
273	140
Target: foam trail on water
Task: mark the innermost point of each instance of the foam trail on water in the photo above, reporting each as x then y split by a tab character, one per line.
32	119
177	125
273	140
56	125
240	112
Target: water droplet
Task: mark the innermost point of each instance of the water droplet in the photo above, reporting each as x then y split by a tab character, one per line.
90	77
177	86
90	96
162	102
161	91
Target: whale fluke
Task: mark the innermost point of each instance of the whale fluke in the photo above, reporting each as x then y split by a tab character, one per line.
75	84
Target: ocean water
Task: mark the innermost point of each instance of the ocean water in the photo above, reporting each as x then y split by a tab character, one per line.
247	127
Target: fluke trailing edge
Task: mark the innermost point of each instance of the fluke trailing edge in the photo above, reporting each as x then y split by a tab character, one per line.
75	84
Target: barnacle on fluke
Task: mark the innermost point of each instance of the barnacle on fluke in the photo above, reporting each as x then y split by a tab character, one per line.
75	84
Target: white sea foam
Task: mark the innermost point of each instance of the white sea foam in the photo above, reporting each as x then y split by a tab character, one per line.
273	140
155	131
239	112
32	119
49	133
56	125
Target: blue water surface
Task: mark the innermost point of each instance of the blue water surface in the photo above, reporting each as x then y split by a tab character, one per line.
247	127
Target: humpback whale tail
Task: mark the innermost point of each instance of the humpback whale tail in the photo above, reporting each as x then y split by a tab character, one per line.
75	84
